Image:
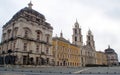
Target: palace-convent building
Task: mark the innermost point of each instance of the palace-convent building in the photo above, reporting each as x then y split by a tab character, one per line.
27	39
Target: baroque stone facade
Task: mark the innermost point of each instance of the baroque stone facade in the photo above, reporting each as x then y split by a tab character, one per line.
88	50
27	39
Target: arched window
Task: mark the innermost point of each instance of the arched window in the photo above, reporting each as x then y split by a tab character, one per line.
47	39
27	32
38	35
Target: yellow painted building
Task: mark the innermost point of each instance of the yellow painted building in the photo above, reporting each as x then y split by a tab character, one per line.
101	58
65	53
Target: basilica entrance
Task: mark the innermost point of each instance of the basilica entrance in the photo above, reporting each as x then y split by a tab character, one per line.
64	63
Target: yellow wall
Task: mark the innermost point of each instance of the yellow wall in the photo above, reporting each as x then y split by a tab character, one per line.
65	54
101	58
104	59
71	54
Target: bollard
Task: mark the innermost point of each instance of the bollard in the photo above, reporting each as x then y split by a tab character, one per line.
80	73
12	69
50	72
98	72
106	72
5	69
40	71
90	72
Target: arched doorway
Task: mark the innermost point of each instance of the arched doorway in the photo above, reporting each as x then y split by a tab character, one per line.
64	63
31	61
42	61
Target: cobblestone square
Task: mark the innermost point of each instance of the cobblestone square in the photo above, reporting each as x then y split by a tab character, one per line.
61	71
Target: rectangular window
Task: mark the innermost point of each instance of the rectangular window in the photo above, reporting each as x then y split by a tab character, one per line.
25	47
47	50
38	35
75	31
37	48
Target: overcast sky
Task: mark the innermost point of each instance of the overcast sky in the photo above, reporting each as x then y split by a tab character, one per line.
101	16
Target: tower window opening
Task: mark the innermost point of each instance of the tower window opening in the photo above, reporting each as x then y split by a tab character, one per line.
75	31
88	37
75	38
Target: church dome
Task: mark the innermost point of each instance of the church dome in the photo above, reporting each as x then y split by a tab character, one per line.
29	14
27	10
109	50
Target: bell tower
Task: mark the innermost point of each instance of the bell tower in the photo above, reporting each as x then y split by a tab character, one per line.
77	36
90	40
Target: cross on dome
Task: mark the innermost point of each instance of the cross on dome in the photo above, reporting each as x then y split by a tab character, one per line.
30	5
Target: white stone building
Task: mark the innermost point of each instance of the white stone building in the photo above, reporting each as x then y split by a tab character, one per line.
27	39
